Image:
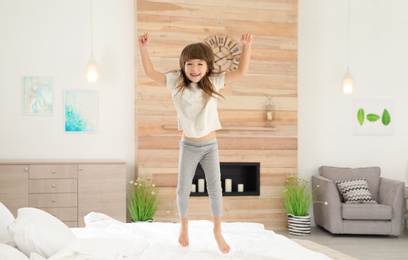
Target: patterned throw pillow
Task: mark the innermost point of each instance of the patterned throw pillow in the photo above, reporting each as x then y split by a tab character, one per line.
355	191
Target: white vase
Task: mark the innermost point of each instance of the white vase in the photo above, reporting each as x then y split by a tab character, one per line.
299	225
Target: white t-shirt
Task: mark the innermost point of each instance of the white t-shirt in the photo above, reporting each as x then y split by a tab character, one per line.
195	118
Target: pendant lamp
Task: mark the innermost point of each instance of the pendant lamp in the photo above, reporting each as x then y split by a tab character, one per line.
348	84
91	69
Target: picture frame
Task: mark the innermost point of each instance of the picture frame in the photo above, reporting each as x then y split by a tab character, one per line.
373	116
81	111
37	95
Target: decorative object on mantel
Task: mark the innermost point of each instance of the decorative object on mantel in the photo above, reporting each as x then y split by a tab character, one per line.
91	69
201	185
269	111
348	84
228	185
298	197
240	187
143	201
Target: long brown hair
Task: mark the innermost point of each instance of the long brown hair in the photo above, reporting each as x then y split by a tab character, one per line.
203	52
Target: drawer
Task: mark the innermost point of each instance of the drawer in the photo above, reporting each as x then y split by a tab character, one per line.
63	214
52	200
53	186
53	171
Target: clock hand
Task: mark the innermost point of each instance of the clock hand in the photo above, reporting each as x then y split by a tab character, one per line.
220	58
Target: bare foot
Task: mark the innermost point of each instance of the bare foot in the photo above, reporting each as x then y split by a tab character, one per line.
183	236
222	244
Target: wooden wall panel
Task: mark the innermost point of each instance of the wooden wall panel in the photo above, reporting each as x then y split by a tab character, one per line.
172	24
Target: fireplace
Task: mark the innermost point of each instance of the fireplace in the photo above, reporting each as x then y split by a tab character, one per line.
243	174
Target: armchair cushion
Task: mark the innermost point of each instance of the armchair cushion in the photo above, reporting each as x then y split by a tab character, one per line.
366	212
355	191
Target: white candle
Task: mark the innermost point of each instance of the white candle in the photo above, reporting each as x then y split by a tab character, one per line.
201	185
269	116
228	185
193	188
240	187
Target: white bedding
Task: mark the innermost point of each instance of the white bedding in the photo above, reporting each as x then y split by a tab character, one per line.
106	238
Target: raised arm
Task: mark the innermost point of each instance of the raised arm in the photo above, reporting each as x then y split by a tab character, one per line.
246	41
146	62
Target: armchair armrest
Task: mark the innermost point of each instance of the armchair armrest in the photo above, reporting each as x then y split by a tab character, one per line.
328	216
392	194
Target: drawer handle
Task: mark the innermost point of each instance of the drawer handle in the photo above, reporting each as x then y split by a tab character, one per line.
53	185
53	171
53	200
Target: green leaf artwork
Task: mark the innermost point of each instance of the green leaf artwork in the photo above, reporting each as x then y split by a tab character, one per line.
386	117
360	116
373	117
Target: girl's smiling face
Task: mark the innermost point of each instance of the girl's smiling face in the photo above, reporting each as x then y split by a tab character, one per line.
195	69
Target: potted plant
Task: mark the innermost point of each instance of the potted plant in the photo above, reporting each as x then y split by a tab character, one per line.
298	197
143	201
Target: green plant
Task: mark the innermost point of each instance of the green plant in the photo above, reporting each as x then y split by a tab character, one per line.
298	196
143	201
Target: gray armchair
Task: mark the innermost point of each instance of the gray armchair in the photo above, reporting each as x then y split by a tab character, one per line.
383	218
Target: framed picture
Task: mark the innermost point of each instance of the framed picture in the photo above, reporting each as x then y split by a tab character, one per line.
81	111
373	117
37	95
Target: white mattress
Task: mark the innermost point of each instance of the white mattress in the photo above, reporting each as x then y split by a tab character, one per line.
106	238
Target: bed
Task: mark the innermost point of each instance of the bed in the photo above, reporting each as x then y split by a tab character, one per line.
37	235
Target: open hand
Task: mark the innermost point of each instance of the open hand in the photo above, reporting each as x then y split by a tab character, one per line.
144	40
246	39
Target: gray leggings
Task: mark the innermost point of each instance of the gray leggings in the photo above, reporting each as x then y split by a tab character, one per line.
191	154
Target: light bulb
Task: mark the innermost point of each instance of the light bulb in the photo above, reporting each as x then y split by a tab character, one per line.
348	84
92	70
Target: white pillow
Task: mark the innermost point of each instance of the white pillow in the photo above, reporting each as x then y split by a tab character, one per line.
37	231
11	253
6	217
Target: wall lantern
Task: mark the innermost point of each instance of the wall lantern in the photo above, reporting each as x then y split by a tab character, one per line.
269	111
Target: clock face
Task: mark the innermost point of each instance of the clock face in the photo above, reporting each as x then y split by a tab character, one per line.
226	52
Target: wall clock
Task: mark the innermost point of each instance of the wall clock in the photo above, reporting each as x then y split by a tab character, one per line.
227	52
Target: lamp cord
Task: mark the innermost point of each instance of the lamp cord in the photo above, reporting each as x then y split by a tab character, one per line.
91	31
348	33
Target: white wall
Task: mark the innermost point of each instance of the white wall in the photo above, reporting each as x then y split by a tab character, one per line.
53	38
378	62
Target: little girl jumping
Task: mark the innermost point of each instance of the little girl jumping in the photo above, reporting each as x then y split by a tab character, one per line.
195	90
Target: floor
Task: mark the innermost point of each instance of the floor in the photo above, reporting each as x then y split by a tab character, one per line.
360	247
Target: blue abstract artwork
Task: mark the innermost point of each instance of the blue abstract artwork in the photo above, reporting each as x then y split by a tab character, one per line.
81	109
37	95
